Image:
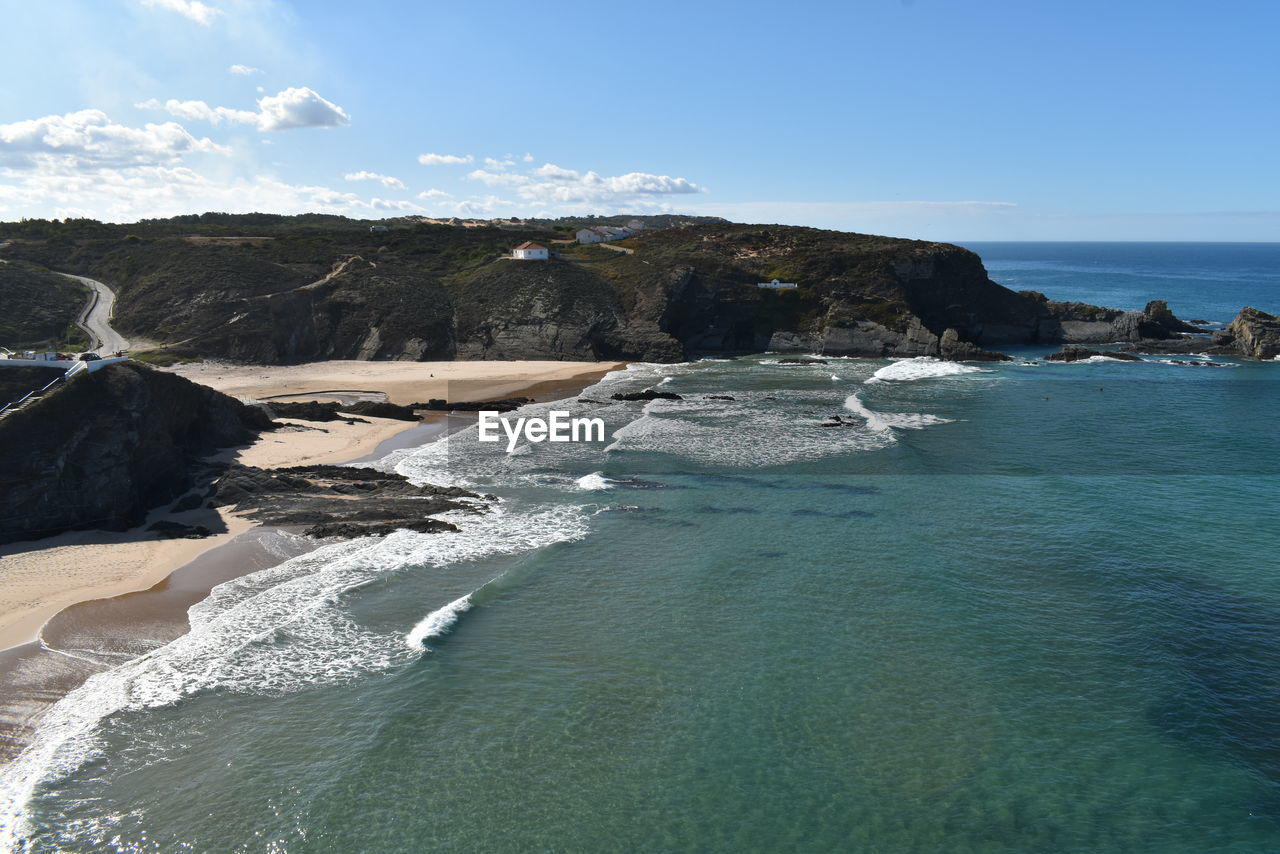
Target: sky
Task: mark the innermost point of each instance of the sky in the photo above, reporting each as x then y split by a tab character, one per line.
933	119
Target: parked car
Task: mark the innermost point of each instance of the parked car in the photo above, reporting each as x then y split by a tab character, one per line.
89	357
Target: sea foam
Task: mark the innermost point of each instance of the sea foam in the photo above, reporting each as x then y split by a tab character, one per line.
922	368
883	422
593	482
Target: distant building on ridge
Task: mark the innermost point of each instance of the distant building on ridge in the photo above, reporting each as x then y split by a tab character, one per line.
777	286
528	251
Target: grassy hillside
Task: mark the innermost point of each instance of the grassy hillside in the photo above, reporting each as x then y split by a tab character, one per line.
38	308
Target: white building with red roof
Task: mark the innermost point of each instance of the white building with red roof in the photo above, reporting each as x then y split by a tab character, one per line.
529	251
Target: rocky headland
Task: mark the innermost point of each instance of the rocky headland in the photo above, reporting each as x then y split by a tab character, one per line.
432	292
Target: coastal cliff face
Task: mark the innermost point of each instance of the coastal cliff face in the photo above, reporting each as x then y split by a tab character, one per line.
107	446
435	292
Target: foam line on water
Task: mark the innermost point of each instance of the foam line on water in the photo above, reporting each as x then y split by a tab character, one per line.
884	422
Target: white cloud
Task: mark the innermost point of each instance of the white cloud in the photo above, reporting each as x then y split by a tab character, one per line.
200	111
89	138
555	173
528	158
497	178
291	108
299	108
193	9
500	165
136	192
244	70
386	180
83	164
427	195
443	159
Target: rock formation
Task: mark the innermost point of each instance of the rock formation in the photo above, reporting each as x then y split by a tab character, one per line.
109	445
318	497
1076	354
1255	333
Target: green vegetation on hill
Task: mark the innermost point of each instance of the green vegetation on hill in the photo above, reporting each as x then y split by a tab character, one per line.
38	308
273	289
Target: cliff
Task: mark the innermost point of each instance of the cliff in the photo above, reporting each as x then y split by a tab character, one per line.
437	292
106	446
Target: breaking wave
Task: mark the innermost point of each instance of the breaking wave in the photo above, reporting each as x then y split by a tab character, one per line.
884	422
922	368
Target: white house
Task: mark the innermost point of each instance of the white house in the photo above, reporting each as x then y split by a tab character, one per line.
777	286
529	252
591	235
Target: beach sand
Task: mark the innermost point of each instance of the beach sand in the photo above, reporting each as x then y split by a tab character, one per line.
40	578
402	382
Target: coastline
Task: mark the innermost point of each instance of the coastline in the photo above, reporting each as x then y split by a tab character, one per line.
134	588
77	556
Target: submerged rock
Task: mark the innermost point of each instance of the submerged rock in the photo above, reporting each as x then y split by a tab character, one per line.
802	361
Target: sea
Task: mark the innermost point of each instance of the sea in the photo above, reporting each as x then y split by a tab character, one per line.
1015	607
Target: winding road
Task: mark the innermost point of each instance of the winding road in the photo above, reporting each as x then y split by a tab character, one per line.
95	320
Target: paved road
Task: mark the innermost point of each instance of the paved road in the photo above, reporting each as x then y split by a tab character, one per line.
96	317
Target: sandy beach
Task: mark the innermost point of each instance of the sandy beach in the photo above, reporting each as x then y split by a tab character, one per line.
38	579
402	382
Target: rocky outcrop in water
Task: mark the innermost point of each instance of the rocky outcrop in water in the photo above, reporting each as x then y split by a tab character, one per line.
1255	333
647	394
107	446
1077	354
319	498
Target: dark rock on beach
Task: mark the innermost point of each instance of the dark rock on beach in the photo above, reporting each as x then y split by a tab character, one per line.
648	394
1076	354
310	410
170	530
506	404
320	498
382	409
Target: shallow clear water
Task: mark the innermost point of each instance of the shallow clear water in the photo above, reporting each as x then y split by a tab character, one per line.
1031	607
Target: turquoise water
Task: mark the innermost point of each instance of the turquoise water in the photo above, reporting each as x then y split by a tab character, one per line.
1026	607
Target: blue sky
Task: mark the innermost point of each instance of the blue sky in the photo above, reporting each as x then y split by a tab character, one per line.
975	120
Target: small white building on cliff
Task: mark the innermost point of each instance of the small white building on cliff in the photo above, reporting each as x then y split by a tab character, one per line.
529	251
